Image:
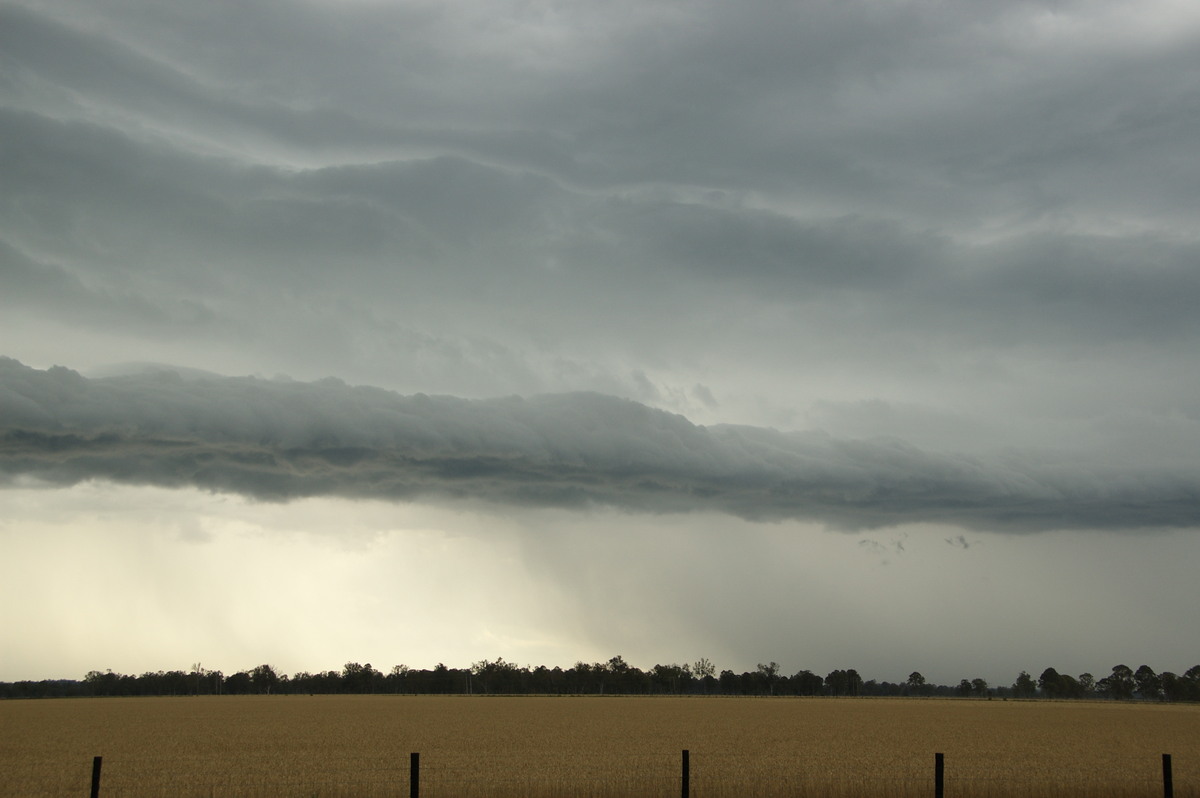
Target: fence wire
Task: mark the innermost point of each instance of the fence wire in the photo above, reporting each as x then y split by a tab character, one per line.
711	775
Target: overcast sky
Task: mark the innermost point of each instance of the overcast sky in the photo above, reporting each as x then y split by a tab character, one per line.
840	334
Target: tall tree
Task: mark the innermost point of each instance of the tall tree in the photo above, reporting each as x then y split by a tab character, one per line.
705	672
769	674
1147	683
807	683
916	683
397	678
1190	687
835	682
1024	686
1120	684
1048	683
854	682
264	679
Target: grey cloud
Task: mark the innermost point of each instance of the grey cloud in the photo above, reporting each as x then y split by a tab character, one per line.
336	256
956	240
1075	289
778	252
248	100
911	104
280	440
32	287
106	79
187	208
902	202
1134	287
704	395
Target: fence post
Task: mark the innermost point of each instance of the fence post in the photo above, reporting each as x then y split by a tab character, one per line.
414	775
1168	785
939	776
96	760
685	790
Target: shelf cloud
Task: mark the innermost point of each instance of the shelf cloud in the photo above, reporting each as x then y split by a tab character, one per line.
277	440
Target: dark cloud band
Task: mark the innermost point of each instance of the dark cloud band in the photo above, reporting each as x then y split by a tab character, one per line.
278	440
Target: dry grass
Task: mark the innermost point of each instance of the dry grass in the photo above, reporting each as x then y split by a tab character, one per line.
491	746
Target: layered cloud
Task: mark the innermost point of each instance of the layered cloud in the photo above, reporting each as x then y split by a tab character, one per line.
961	227
982	210
277	440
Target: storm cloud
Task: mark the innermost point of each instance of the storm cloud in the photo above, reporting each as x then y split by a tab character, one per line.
278	440
649	293
528	198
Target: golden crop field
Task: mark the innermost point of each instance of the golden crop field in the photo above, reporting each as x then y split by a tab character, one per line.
593	746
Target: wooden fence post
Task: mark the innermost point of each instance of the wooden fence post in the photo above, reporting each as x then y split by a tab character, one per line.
939	776
685	790
1168	785
96	760
414	775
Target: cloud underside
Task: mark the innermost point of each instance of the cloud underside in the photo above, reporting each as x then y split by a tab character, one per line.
279	440
735	215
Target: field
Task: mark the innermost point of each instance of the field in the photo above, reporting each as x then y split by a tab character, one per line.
594	746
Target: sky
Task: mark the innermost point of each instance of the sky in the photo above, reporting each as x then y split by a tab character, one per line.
837	334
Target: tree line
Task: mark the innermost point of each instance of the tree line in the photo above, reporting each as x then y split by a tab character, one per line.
614	677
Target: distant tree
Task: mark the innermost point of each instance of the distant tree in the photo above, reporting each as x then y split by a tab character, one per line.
1147	683
619	675
239	683
1188	686
1068	687
218	681
358	678
442	679
835	682
807	683
730	684
44	688
397	678
497	677
1048	683
916	683
614	676
705	673
97	683
197	676
1087	683
1171	686
844	682
854	682
581	677
769	674
1119	685
668	678
264	679
550	681
1024	686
